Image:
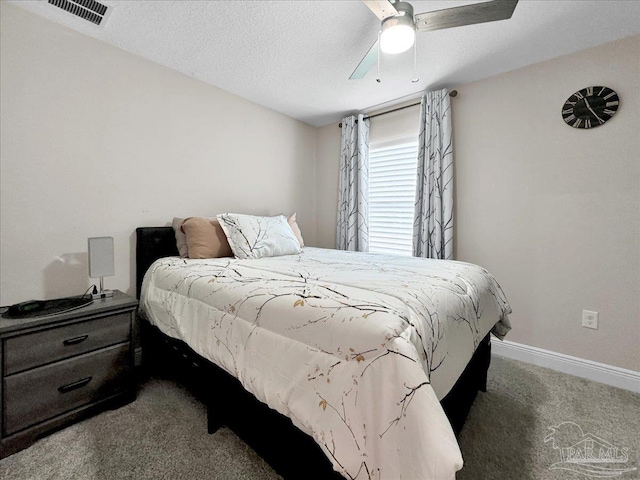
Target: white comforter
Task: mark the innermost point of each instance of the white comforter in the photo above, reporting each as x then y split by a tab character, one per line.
355	348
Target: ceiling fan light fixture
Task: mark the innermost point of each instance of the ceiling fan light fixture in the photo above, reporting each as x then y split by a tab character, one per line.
399	25
397	38
398	32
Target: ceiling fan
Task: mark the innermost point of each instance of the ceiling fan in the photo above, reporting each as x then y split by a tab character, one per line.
399	25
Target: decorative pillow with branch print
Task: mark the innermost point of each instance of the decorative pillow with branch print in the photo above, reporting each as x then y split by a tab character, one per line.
256	237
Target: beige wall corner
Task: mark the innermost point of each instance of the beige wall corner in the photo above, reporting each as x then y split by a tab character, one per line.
327	167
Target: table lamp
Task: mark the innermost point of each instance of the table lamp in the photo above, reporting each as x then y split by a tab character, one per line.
101	262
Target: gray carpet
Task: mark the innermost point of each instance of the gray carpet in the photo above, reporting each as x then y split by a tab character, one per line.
162	435
503	438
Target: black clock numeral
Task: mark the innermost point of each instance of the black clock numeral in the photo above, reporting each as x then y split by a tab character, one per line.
567	111
606	97
577	123
602	90
573	104
578	95
609	112
612	104
587	123
589	91
570	118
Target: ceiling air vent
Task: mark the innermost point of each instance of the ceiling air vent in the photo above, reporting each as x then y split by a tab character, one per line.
90	10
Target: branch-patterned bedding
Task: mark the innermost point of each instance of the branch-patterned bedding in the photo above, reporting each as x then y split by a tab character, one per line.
357	349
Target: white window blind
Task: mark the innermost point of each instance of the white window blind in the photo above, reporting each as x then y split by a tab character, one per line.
392	189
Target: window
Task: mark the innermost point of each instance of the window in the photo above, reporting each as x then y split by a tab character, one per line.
392	190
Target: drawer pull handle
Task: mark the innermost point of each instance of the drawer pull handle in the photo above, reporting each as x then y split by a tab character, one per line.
74	385
76	340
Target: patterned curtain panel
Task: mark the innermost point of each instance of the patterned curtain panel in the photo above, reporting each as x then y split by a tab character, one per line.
353	188
433	221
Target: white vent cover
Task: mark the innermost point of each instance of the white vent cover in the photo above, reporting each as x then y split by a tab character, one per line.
90	10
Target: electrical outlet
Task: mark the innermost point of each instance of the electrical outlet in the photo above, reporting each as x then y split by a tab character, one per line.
590	319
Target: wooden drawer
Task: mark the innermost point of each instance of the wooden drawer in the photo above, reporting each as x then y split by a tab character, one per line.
42	393
46	346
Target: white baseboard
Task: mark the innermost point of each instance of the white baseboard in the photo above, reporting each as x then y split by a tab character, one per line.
598	372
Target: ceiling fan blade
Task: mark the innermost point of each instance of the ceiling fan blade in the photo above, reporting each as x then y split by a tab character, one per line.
366	63
465	15
381	8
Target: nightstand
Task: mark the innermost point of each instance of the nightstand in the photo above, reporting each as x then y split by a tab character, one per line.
62	368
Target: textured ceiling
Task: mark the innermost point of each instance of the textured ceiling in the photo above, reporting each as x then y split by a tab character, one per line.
296	56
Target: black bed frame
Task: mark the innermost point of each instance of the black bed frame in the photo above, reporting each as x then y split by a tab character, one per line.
291	453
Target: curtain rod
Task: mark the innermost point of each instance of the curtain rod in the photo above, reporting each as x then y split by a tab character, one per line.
452	93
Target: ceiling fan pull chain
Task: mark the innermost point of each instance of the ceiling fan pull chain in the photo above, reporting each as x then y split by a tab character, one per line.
415	78
378	77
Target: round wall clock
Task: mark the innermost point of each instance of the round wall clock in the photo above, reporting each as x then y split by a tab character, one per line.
590	107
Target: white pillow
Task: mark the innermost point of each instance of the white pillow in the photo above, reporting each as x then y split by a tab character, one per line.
257	237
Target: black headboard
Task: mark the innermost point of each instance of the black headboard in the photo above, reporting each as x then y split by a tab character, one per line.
152	243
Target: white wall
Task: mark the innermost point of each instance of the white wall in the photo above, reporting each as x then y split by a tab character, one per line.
552	211
96	141
327	169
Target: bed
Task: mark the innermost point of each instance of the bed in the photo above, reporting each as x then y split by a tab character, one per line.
328	361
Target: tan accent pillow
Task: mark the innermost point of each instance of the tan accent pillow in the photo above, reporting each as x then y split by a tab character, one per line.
181	238
291	219
205	238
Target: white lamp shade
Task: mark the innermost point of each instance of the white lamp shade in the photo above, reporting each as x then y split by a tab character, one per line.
397	38
101	262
